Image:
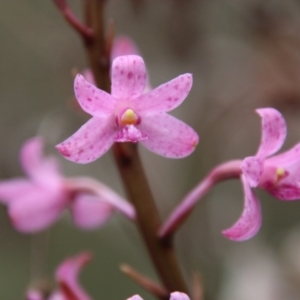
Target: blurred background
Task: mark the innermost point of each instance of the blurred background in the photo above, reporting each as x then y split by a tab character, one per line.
243	55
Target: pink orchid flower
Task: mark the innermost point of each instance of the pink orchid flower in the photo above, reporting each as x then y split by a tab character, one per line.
67	278
279	175
173	296
36	202
130	115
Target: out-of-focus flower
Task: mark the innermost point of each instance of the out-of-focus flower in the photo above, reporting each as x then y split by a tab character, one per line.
173	296
279	175
67	278
37	201
129	115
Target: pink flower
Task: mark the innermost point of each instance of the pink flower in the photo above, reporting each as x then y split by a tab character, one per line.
67	279
129	115
279	175
173	296
36	202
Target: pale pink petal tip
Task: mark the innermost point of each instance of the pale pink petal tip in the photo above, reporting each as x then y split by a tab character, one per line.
123	45
179	296
34	295
273	131
135	297
250	221
67	276
88	212
31	155
252	168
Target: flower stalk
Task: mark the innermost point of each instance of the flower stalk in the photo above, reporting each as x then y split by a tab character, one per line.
224	171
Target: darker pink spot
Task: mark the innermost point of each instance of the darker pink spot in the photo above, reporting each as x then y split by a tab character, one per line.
89	99
64	151
129	75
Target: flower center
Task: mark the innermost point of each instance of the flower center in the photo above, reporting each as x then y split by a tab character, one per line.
129	117
280	174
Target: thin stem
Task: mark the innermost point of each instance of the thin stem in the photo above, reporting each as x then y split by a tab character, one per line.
227	170
145	282
148	220
90	185
85	32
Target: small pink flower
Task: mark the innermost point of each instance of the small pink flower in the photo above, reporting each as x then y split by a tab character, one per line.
130	115
36	202
279	175
173	296
67	278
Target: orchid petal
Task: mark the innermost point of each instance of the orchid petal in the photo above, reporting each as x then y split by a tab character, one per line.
165	97
91	141
34	295
135	297
168	136
273	131
14	188
123	45
128	76
250	221
67	277
89	211
286	187
36	210
252	168
43	170
179	296
91	99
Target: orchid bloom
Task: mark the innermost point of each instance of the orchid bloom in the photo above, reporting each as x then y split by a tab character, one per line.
67	278
173	296
130	115
279	174
36	202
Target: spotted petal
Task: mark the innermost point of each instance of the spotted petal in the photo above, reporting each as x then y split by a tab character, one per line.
90	212
168	136
91	141
250	221
252	168
273	131
128	77
165	97
67	277
91	99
